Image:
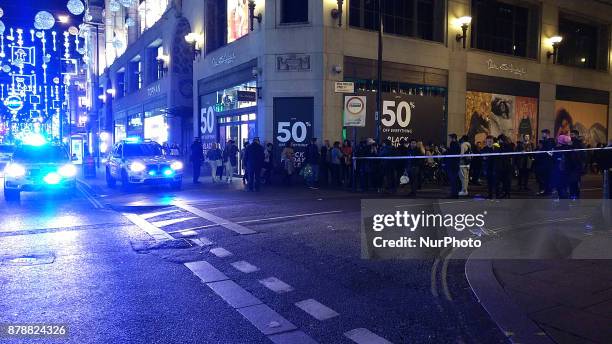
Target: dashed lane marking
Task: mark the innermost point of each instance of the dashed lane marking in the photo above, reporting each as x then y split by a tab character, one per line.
261	220
189	233
159	213
318	310
234	294
90	198
244	266
218	220
365	336
276	285
220	252
153	231
170	222
266	320
206	272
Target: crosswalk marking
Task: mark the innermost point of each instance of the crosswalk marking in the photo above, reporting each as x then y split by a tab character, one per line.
153	231
318	310
234	294
276	285
201	241
158	213
220	252
365	336
170	222
206	272
293	337
244	266
266	320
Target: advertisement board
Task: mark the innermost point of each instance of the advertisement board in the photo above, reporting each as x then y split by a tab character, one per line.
293	121
589	119
355	111
237	19
496	114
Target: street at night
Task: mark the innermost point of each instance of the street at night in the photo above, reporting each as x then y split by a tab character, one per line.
302	172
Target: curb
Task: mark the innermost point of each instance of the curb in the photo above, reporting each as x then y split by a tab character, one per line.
510	319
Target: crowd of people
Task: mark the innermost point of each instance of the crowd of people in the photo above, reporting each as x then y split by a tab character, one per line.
557	164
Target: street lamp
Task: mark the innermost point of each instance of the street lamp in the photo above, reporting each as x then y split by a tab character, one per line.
62	18
463	22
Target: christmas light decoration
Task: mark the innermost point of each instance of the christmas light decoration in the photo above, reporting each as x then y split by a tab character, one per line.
75	7
44	20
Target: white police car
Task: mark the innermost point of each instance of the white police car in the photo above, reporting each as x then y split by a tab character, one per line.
39	167
135	162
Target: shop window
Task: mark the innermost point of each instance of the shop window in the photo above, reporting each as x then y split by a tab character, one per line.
155	63
584	45
294	11
216	24
505	27
120	82
413	18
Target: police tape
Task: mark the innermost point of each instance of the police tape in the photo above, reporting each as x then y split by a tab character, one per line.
457	156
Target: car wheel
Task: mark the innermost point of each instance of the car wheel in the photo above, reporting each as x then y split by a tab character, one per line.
110	181
11	195
176	185
125	181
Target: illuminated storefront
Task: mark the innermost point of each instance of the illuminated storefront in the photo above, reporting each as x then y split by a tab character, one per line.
155	127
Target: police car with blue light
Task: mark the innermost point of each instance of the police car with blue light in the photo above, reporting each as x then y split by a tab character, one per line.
38	166
136	162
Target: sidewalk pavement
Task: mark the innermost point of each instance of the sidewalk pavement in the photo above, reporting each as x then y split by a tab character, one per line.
570	300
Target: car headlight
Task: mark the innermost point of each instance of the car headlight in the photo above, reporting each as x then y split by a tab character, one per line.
67	171
177	165
14	170
137	167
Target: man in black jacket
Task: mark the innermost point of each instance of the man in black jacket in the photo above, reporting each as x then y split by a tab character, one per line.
452	165
254	158
545	163
311	157
197	156
490	165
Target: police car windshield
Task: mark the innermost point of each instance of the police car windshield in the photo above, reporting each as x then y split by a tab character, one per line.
40	154
142	149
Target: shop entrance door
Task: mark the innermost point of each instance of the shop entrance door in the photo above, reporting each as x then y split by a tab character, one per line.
242	130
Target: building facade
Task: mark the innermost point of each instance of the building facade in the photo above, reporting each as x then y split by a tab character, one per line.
503	76
146	88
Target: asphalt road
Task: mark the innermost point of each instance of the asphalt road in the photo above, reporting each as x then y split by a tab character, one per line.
289	262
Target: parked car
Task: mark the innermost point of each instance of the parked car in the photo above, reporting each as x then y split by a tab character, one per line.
142	162
36	168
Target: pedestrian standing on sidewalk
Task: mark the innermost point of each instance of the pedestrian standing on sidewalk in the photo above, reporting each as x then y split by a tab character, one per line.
245	144
197	156
254	158
490	166
347	163
215	160
336	164
268	163
288	161
545	163
324	160
505	169
523	163
464	165
230	159
452	165
311	158
414	166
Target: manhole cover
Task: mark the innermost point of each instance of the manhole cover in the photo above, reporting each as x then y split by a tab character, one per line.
28	260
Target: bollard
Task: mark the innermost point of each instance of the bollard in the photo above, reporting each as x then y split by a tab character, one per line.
607	193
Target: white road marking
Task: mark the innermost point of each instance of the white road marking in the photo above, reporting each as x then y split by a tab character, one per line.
244	266
159	213
218	220
94	202
189	233
201	241
234	294
293	337
318	310
206	272
432	203
153	231
276	285
266	320
365	336
220	252
170	222
260	220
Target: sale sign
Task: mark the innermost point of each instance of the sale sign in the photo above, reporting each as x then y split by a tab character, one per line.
293	118
355	111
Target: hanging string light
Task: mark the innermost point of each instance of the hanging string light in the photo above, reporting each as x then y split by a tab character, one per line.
75	7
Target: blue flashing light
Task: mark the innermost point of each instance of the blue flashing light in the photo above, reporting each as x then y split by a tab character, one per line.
168	172
152	173
132	139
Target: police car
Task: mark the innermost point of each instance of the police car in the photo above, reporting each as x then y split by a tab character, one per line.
135	162
39	167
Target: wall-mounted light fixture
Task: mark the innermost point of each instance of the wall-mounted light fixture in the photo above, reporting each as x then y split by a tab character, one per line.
336	13
253	16
195	41
111	92
162	62
463	22
555	41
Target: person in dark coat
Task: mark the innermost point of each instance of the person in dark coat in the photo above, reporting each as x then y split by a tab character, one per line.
414	166
452	165
490	165
544	163
254	158
197	156
580	162
505	169
564	166
311	157
386	167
